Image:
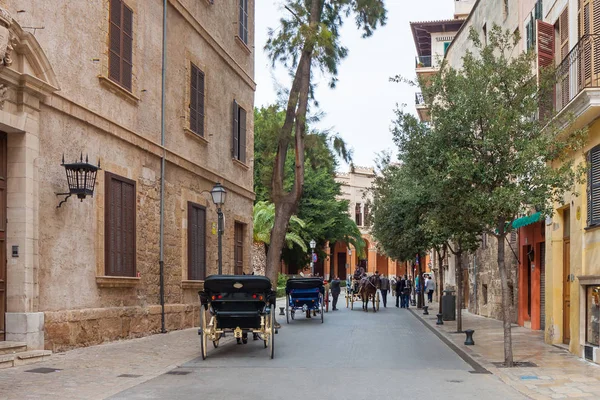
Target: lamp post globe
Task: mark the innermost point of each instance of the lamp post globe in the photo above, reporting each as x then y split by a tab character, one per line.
219	194
313	244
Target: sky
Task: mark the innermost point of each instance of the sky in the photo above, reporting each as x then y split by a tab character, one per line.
361	107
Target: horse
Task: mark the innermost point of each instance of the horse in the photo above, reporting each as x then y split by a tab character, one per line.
368	289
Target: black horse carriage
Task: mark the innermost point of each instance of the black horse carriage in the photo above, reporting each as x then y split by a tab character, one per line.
306	294
242	304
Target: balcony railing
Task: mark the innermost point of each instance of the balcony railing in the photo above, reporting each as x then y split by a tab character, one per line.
419	99
423	61
579	70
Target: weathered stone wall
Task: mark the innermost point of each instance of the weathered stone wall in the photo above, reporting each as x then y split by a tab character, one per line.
484	275
92	115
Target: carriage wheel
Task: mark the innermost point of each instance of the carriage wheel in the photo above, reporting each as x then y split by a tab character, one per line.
287	308
271	336
203	336
322	313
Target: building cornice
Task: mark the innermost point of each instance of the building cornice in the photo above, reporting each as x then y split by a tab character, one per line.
66	106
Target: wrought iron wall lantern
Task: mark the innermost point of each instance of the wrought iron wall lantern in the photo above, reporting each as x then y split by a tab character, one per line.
81	178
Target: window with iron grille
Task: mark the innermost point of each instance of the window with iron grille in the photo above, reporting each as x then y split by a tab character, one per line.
243	21
238	148
196	242
593	187
197	101
120	235
120	55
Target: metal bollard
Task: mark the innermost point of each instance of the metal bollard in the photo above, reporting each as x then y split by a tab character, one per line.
469	341
440	321
281	311
425	312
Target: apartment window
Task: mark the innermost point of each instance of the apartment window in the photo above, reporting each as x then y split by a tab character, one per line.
120	57
239	133
538	10
119	235
446	45
196	242
366	214
238	250
358	214
593	187
197	101
243	21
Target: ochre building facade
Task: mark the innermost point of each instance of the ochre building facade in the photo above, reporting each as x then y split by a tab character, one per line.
85	78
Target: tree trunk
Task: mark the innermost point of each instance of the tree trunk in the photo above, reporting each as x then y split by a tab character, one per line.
280	227
441	256
459	289
506	307
295	118
420	287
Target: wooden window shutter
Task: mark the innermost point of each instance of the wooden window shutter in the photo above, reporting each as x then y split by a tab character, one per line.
594	186
235	146
197	101
120	58
127	49
120	226
114	58
545	59
196	242
238	251
242	132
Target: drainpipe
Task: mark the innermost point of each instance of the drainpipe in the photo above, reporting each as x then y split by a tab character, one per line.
162	175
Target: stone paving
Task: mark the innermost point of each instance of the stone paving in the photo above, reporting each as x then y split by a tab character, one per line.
558	375
94	372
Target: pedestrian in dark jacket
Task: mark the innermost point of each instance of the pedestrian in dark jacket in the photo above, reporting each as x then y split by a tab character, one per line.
400	285
384	287
335	288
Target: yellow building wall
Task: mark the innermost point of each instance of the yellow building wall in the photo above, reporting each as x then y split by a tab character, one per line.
584	259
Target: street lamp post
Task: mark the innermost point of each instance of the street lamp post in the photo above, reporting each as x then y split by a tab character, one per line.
219	194
313	244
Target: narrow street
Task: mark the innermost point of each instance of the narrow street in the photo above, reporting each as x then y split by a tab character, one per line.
389	354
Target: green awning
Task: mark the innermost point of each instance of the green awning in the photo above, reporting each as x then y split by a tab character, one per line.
528	220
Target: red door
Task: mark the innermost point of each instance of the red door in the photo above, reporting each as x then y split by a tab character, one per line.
2	233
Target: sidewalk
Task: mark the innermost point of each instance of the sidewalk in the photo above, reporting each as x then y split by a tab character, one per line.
558	373
100	371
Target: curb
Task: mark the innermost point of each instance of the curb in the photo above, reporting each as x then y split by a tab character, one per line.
477	367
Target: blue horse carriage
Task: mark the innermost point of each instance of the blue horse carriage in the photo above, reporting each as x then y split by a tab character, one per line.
306	294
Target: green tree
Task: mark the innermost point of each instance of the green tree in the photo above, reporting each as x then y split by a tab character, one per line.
495	153
325	215
309	37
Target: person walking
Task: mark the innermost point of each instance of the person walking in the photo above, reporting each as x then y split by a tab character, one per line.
384	287
335	288
429	288
406	293
400	285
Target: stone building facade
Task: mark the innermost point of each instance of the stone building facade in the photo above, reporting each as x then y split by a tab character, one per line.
355	188
84	77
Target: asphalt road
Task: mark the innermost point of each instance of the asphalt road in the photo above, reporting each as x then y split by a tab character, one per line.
353	355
